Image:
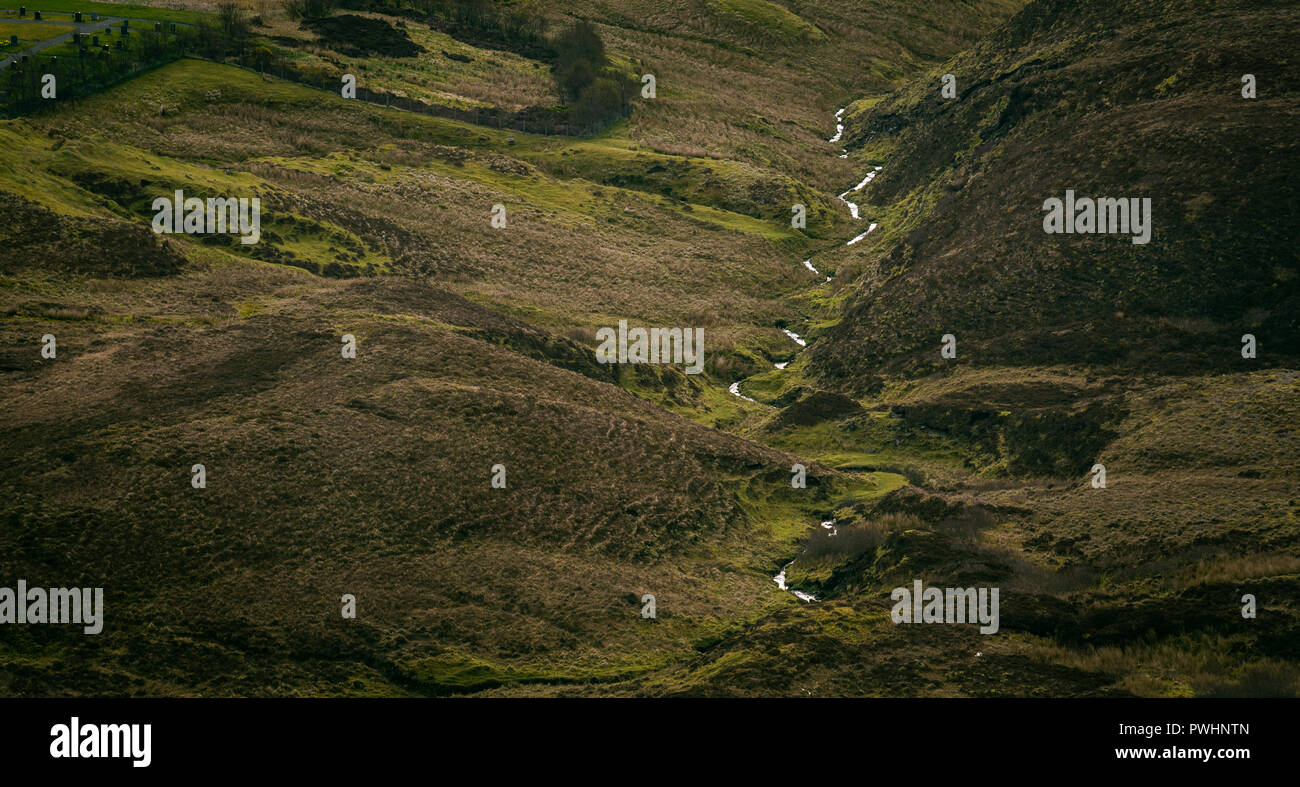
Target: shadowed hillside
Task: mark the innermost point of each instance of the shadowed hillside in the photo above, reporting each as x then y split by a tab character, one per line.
370	476
1085	97
500	502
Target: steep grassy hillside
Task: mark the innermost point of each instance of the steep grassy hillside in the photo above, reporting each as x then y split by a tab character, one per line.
348	188
1083	97
1131	589
760	81
373	475
1072	352
369	476
750	81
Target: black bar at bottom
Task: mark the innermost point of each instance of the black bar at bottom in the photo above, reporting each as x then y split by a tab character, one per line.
373	736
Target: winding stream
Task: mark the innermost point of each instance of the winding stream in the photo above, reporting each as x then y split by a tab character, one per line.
853	206
808	264
829	524
839	127
779	579
863	235
734	389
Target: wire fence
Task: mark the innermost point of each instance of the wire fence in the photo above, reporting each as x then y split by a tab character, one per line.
85	67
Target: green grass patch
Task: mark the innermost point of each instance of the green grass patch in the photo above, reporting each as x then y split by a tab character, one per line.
117	10
770	17
30	34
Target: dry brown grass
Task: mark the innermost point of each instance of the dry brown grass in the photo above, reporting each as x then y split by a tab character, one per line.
1181	667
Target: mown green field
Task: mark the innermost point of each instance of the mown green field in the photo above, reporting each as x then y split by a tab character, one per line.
30	34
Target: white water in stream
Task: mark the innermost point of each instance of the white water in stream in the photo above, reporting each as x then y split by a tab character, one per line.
808	264
863	235
839	127
853	206
829	524
779	579
734	389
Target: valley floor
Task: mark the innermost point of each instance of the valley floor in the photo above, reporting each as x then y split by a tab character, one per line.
500	506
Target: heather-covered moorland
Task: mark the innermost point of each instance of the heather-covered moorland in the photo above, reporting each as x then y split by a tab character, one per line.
477	348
